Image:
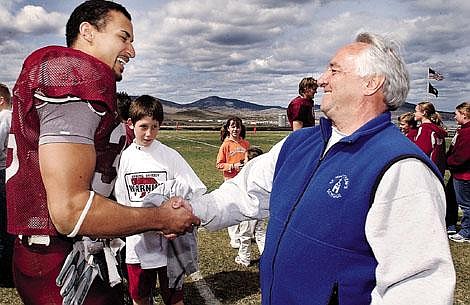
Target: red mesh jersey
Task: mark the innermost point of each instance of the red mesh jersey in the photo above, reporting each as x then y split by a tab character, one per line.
55	72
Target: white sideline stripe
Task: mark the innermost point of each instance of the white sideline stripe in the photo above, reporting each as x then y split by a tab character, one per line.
204	143
204	290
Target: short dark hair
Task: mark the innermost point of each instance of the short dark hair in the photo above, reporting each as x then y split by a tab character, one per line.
123	104
5	93
94	12
306	83
146	105
253	152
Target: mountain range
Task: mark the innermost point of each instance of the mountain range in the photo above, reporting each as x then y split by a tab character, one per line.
219	108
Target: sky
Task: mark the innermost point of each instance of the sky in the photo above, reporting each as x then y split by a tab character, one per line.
256	50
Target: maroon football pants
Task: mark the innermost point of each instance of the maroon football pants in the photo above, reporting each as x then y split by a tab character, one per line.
35	268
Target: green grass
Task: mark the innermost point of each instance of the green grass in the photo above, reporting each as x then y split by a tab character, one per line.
230	283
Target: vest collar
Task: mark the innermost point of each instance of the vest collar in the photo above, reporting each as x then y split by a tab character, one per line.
371	127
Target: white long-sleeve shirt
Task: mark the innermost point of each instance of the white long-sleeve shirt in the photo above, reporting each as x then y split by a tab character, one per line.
141	171
405	226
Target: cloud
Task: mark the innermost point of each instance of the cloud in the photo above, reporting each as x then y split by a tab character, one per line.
36	20
33	20
256	50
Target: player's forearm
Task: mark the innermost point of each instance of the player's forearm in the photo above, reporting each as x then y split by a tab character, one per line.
106	218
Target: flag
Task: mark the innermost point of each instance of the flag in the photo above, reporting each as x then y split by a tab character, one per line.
434	75
432	90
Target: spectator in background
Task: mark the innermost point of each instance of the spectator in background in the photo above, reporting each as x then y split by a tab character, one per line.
431	135
408	125
6	240
300	112
452	208
458	161
230	160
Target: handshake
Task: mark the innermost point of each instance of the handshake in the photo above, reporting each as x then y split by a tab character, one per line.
176	217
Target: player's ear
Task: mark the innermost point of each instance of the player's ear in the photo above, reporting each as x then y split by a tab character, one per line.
87	31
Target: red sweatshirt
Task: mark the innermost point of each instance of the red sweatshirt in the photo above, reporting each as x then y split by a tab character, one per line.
431	139
458	156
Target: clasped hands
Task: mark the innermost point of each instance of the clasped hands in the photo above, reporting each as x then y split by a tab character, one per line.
177	217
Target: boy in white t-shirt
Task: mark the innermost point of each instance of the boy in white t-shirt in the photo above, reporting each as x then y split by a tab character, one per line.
145	165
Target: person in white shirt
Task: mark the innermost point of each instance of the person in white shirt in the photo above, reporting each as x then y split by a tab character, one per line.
144	166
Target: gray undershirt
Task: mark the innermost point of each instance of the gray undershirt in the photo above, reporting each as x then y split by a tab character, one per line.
70	122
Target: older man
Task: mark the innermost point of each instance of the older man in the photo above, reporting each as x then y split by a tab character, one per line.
356	210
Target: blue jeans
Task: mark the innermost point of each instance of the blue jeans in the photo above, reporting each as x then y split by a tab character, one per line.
462	194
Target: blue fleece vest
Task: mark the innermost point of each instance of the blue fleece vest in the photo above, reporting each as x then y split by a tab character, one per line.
316	247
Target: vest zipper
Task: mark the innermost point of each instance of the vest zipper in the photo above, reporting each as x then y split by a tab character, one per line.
290	215
334	300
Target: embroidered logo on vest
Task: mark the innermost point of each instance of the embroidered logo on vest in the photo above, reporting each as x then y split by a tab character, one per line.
337	184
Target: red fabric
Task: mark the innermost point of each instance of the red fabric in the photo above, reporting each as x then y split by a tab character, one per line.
142	281
301	109
36	267
129	135
412	132
458	156
429	133
55	72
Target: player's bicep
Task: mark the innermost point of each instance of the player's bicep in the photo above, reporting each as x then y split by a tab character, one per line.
67	156
66	171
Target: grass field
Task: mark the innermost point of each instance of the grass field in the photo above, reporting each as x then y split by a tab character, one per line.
230	283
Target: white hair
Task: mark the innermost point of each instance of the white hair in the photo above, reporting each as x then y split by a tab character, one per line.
382	58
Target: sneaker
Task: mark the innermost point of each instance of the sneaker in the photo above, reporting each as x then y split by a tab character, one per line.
451	229
235	245
459	238
241	261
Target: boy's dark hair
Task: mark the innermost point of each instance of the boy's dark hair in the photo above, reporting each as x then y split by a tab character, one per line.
5	93
94	12
146	105
253	152
123	103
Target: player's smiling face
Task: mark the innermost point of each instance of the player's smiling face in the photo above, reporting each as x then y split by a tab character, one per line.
145	131
113	43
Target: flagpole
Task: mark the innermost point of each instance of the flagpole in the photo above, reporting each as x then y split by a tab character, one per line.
427	85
